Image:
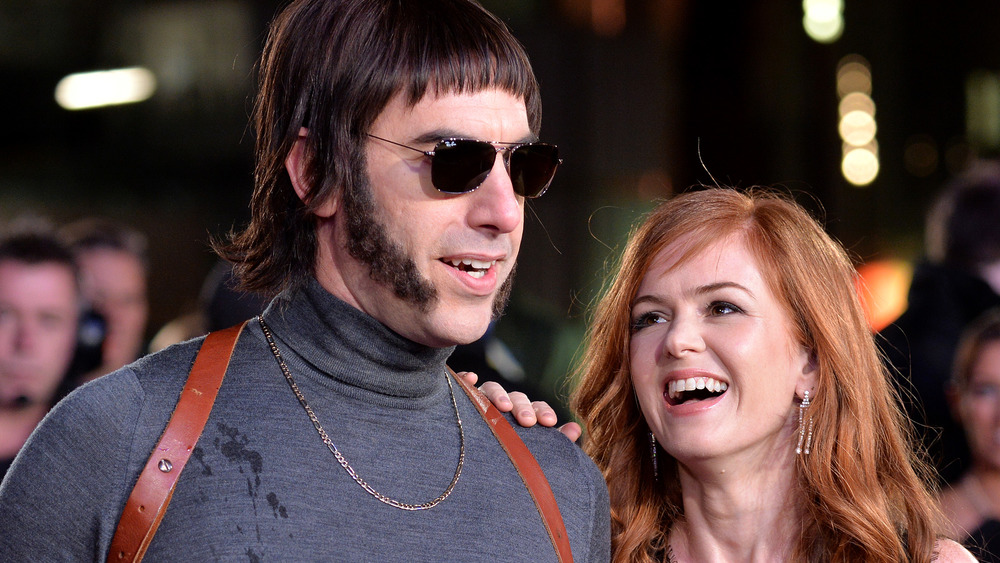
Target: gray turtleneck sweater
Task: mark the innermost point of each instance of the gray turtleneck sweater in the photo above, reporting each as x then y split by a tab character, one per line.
262	486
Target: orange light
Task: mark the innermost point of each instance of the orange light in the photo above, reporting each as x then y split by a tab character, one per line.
882	286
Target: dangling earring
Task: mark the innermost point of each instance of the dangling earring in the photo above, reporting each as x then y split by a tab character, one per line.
803	436
652	452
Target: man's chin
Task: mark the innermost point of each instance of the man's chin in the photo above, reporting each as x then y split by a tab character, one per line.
446	325
502	297
463	334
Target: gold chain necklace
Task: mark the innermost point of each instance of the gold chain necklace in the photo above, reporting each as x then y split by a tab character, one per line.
340	457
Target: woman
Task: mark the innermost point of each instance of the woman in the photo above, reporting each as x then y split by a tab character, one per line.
727	312
973	503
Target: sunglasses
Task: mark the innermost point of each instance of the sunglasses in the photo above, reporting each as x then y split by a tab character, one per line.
459	166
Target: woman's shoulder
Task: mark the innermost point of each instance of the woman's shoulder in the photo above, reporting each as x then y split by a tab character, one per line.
960	511
950	551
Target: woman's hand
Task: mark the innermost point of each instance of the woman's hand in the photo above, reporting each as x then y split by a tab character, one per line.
526	412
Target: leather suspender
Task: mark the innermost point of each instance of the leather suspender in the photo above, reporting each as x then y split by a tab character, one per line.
148	502
527	467
149	499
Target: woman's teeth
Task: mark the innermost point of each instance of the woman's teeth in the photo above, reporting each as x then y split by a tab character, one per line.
678	387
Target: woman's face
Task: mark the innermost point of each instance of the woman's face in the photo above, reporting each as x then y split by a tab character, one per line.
979	406
713	360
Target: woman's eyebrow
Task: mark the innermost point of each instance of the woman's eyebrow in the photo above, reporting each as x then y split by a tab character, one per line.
708	288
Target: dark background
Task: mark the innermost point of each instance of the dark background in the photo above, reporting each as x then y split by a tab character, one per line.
662	96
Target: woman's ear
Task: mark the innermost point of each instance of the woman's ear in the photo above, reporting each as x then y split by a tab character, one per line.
295	164
810	373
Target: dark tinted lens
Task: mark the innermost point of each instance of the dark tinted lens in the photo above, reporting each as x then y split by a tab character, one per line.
459	166
532	168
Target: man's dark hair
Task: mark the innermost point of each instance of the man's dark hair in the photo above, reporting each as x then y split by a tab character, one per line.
963	225
332	66
94	233
34	242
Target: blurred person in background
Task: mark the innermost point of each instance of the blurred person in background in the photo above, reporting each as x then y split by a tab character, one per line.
973	502
113	275
39	310
958	281
220	305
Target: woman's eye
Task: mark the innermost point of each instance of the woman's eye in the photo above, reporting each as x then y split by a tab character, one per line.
646	319
720	308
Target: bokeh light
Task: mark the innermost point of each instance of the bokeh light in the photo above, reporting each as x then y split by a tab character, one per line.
883	286
920	155
823	20
87	90
857	127
854	75
856	101
860	165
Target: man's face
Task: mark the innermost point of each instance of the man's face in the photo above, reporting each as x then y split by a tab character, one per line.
38	322
441	260
114	283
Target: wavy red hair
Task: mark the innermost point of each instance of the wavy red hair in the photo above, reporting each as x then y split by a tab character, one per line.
864	490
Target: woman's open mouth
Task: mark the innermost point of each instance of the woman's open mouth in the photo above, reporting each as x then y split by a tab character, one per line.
681	391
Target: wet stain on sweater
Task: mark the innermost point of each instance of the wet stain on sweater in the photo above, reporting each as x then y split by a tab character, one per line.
272	499
235	449
233	444
199	454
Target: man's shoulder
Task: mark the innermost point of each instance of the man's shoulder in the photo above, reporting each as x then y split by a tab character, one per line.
557	453
122	393
578	486
544	437
171	362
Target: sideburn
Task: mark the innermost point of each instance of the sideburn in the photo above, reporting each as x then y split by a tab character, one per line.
368	241
503	294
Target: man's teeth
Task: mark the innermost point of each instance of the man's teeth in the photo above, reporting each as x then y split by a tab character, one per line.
475	268
678	386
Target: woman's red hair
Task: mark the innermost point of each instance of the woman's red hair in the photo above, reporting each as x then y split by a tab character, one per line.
862	488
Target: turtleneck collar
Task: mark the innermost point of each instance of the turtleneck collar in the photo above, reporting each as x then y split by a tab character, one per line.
352	347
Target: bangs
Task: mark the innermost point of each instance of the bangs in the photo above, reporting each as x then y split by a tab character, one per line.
466	51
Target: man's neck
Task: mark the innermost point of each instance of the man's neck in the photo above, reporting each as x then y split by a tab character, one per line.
16	424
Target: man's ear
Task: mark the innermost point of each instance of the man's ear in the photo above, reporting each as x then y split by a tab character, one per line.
295	164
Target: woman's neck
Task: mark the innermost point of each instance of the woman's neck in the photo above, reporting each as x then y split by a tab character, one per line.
982	485
746	512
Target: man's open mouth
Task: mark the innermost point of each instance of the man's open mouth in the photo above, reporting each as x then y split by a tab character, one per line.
475	268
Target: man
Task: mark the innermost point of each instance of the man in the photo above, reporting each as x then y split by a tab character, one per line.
39	308
113	271
959	281
391	238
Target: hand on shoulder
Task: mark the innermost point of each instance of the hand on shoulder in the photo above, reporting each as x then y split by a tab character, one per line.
526	412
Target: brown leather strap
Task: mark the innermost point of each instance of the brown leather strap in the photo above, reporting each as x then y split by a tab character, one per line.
527	466
149	499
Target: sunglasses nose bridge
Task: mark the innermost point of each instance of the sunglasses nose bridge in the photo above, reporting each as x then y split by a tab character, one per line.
505	152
